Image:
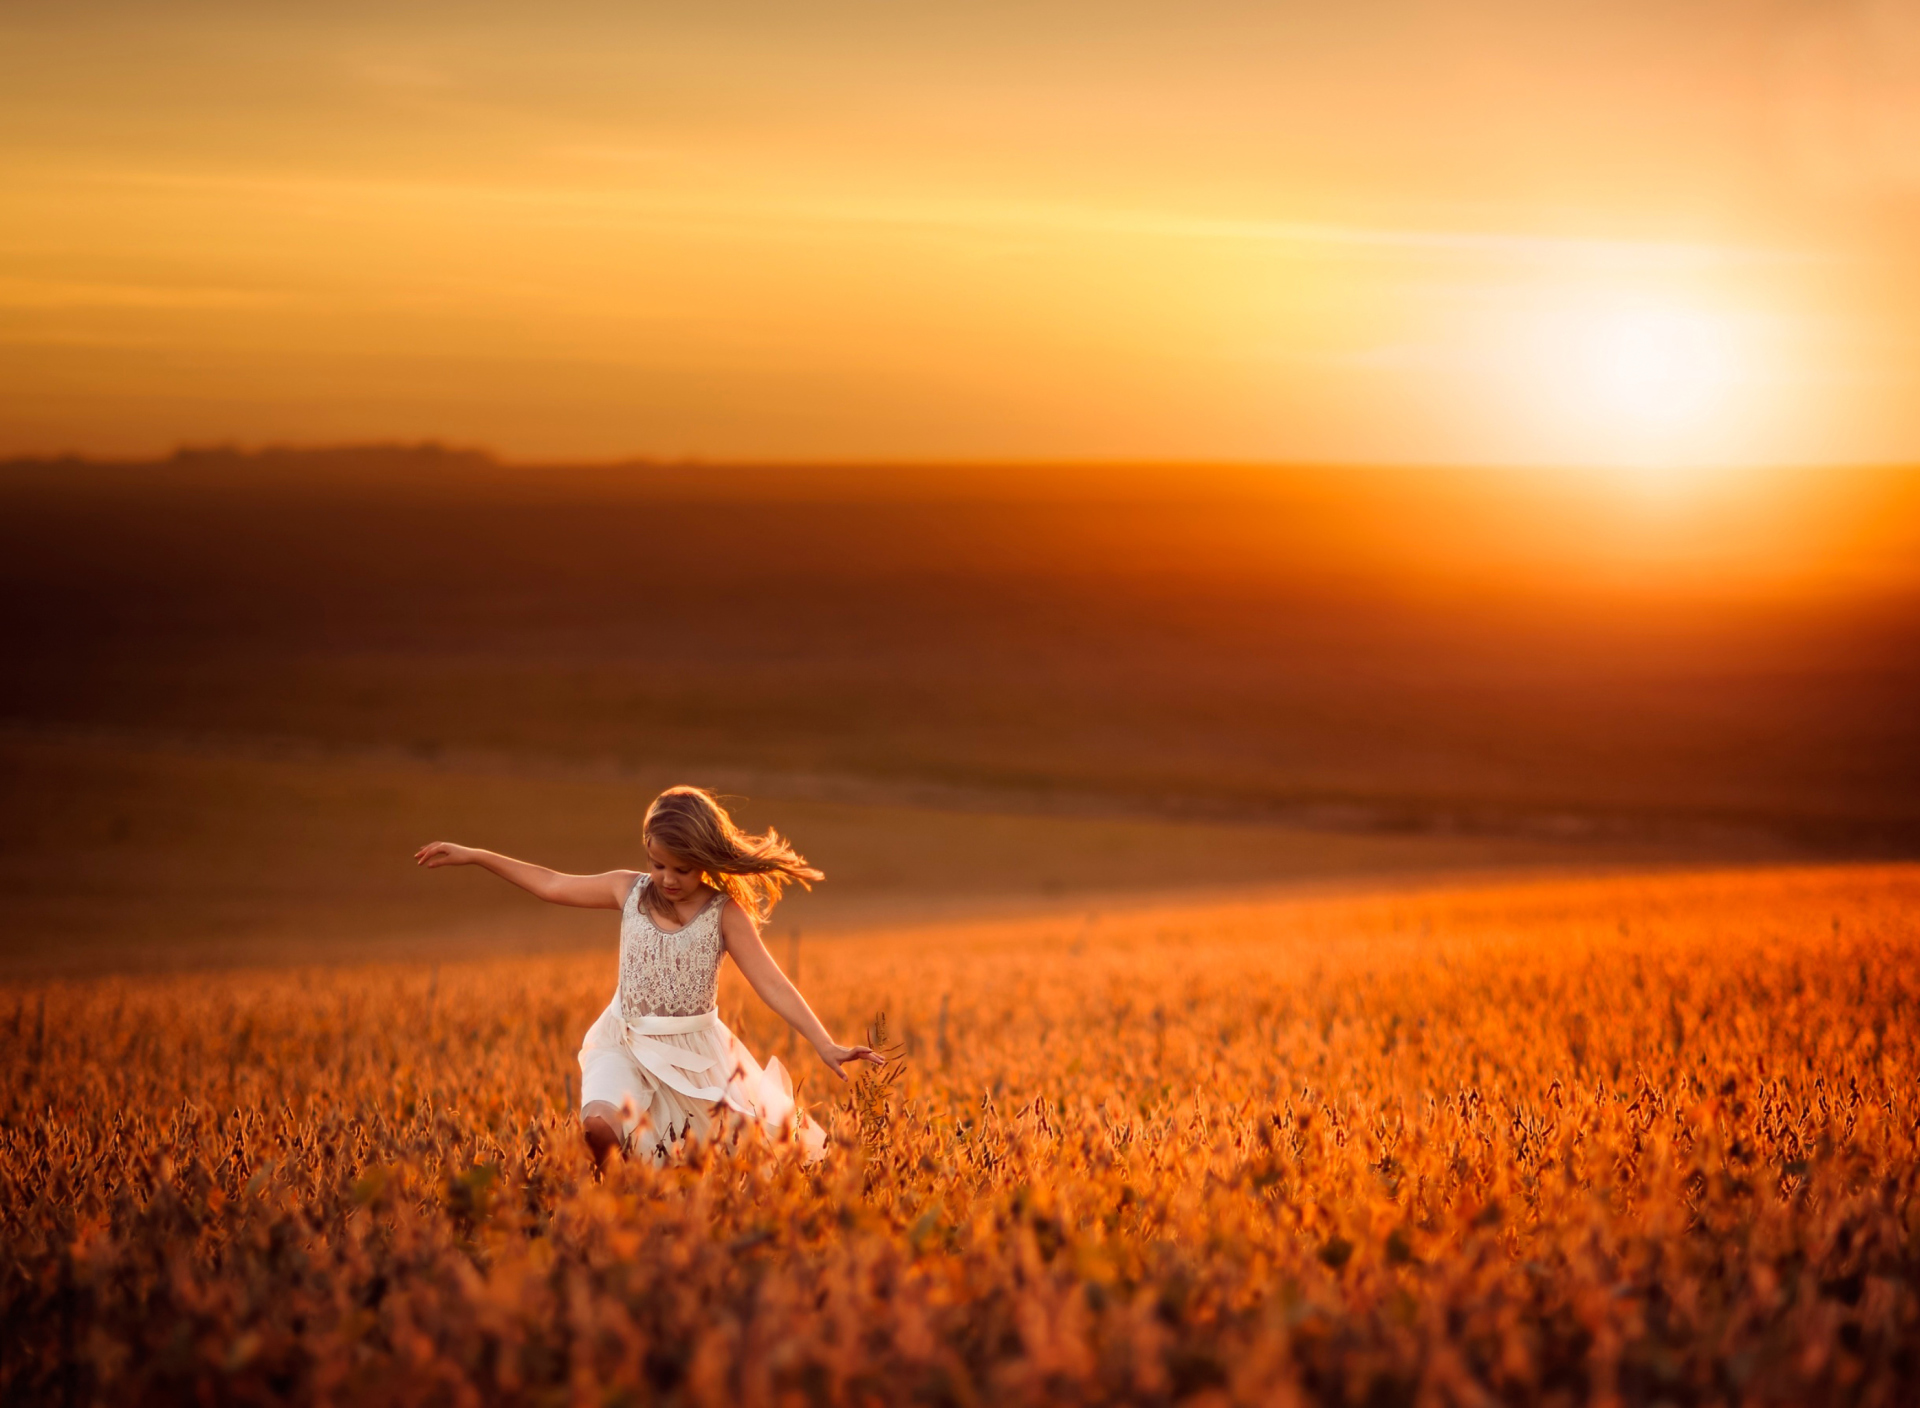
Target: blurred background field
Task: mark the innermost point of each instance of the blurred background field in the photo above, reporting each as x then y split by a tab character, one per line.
161	855
241	688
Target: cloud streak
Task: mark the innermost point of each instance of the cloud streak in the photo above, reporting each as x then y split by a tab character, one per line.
776	213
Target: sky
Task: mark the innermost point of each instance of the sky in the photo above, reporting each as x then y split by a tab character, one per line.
1657	237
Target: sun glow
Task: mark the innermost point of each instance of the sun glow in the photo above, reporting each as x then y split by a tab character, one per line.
1646	383
1659	367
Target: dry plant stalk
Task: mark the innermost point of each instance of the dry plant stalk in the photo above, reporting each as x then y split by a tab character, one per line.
1611	1141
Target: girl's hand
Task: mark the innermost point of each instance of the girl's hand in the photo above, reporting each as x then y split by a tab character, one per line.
834	1056
439	853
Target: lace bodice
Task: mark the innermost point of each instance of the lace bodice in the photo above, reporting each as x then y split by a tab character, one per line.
675	974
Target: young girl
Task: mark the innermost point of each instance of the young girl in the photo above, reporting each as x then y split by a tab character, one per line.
659	1063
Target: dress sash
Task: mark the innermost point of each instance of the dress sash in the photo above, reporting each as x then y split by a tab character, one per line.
675	1066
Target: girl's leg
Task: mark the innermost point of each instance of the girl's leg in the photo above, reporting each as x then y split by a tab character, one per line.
600	1121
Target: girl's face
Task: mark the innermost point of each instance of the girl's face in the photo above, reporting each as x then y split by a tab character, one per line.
675	878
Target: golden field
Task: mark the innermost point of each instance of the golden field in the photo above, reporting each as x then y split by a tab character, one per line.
1616	1140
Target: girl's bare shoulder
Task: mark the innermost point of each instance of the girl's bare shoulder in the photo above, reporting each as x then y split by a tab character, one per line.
736	920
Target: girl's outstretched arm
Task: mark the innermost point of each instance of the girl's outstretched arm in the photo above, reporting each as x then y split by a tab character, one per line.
607	890
742	938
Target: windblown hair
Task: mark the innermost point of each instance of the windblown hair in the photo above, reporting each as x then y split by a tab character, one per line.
691	825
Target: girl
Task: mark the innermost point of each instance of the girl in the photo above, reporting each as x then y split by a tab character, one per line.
659	1063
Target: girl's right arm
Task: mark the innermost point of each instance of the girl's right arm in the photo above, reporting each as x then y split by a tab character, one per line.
607	890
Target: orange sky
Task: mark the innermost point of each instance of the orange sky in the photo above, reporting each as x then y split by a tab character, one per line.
1637	234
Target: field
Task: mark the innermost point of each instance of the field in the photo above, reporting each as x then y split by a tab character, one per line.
1351	936
241	689
1611	1140
1393	652
132	854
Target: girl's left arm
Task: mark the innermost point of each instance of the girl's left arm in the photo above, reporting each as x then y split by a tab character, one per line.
742	938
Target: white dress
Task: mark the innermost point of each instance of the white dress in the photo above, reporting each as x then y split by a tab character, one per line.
661	1054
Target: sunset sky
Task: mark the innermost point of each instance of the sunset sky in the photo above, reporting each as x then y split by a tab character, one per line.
1645	235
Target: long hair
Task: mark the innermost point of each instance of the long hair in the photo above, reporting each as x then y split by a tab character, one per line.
691	825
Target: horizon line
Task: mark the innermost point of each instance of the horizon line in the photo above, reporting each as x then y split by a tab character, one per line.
431	446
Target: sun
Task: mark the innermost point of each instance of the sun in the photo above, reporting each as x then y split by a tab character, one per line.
1655	368
1637	381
